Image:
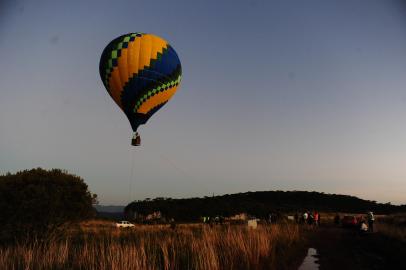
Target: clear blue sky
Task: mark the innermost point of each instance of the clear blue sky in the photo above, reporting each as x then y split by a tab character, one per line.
290	95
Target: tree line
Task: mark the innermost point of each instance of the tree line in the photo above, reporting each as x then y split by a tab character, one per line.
259	204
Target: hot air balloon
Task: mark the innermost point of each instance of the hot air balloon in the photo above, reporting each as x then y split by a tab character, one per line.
141	72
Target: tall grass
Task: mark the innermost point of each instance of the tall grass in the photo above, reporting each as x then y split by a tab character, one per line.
158	247
393	226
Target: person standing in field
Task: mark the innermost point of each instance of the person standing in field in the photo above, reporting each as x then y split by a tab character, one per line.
296	217
371	219
305	217
316	218
310	218
337	219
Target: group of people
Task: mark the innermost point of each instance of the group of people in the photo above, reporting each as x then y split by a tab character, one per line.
370	219
364	223
308	217
213	220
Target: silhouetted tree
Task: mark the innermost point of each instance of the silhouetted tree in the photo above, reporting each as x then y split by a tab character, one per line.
37	201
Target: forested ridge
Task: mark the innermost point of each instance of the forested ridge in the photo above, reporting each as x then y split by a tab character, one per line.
260	204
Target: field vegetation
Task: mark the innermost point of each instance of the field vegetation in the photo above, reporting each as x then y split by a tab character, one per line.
99	246
393	226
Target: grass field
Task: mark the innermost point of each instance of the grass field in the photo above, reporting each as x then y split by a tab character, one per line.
393	226
99	246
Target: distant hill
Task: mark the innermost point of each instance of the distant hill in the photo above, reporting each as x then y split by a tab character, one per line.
110	208
110	211
259	204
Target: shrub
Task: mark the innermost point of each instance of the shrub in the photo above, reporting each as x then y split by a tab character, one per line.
38	201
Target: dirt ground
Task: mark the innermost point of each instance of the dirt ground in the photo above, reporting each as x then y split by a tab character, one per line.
341	248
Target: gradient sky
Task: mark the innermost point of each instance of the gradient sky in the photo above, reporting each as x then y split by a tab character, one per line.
287	95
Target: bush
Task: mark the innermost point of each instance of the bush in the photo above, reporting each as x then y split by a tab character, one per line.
38	201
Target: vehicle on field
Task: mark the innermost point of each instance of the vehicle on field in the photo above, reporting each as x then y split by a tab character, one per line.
124	224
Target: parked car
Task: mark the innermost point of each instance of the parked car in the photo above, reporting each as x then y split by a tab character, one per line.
349	221
124	224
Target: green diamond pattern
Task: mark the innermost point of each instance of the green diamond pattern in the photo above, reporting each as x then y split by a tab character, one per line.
114	54
162	87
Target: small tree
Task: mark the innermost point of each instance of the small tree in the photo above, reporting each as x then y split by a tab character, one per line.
38	201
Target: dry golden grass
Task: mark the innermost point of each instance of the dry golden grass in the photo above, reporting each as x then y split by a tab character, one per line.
392	231
393	226
158	247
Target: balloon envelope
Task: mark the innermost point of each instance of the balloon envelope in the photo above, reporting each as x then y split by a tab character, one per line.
141	72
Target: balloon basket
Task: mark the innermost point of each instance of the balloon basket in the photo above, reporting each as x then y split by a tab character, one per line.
136	140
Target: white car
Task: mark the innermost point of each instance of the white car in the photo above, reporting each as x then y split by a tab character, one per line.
124	224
